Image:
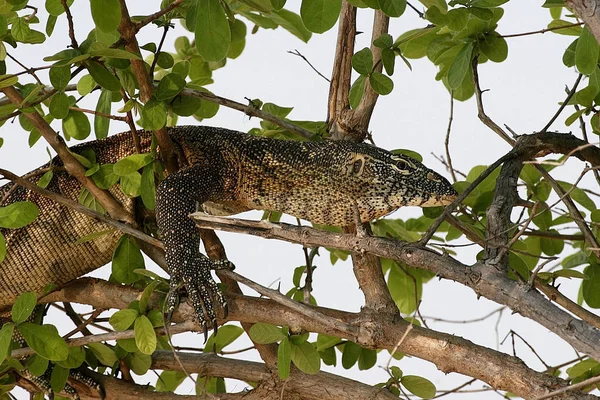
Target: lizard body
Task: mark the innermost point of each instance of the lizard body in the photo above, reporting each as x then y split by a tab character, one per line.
325	182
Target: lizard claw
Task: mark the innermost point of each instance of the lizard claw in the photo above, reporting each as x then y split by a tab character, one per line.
201	289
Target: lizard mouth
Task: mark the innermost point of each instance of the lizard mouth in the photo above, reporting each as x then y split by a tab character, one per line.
438	200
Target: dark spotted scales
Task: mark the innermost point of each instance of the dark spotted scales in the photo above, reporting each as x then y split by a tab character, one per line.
227	172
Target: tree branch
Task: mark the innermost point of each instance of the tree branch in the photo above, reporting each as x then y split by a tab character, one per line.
449	353
485	281
589	12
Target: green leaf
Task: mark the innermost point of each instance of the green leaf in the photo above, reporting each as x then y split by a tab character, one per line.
55	7
494	47
87	199
459	68
169	87
131	184
589	287
58	378
278	4
292	23
362	61
104	353
140	363
225	336
569	29
380	83
212	32
168	381
164	60
105	177
37	365
6	334
132	163
126	259
306	358
123	319
410	153
284	359
320	15
102	76
85	85
392	8
8	80
59	105
18	214
145	337
574	260
264	333
182	68
186	106
60	77
326	341
418	386
388	58
154	115
384	41
101	123
75	359
350	354
148	188
106	14
23	307
76	125
367	359
45	341
586	52
552	247
20	30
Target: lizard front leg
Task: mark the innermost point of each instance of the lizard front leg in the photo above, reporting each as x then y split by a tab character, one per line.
176	198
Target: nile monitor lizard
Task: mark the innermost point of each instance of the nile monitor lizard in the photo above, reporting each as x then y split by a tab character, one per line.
324	182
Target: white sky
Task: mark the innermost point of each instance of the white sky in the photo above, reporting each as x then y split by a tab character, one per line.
524	94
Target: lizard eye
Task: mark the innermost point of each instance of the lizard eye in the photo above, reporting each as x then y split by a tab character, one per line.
357	166
401	164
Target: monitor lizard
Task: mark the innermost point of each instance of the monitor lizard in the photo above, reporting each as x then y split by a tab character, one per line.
325	182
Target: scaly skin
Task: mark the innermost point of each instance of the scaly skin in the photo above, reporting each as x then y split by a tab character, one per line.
324	182
227	172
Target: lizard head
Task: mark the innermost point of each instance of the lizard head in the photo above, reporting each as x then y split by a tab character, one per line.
389	181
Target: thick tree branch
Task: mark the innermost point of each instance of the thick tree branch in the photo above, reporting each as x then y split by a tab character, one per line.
322	385
589	12
448	352
339	87
485	281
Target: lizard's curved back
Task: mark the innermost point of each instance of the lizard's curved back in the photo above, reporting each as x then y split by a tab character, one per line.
47	252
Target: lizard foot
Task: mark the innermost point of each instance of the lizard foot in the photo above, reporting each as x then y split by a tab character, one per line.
201	289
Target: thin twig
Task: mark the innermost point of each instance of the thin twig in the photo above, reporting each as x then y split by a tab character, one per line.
564	103
294	305
447	141
297	53
577	386
487	121
100	114
554	28
157	15
160	45
70	21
